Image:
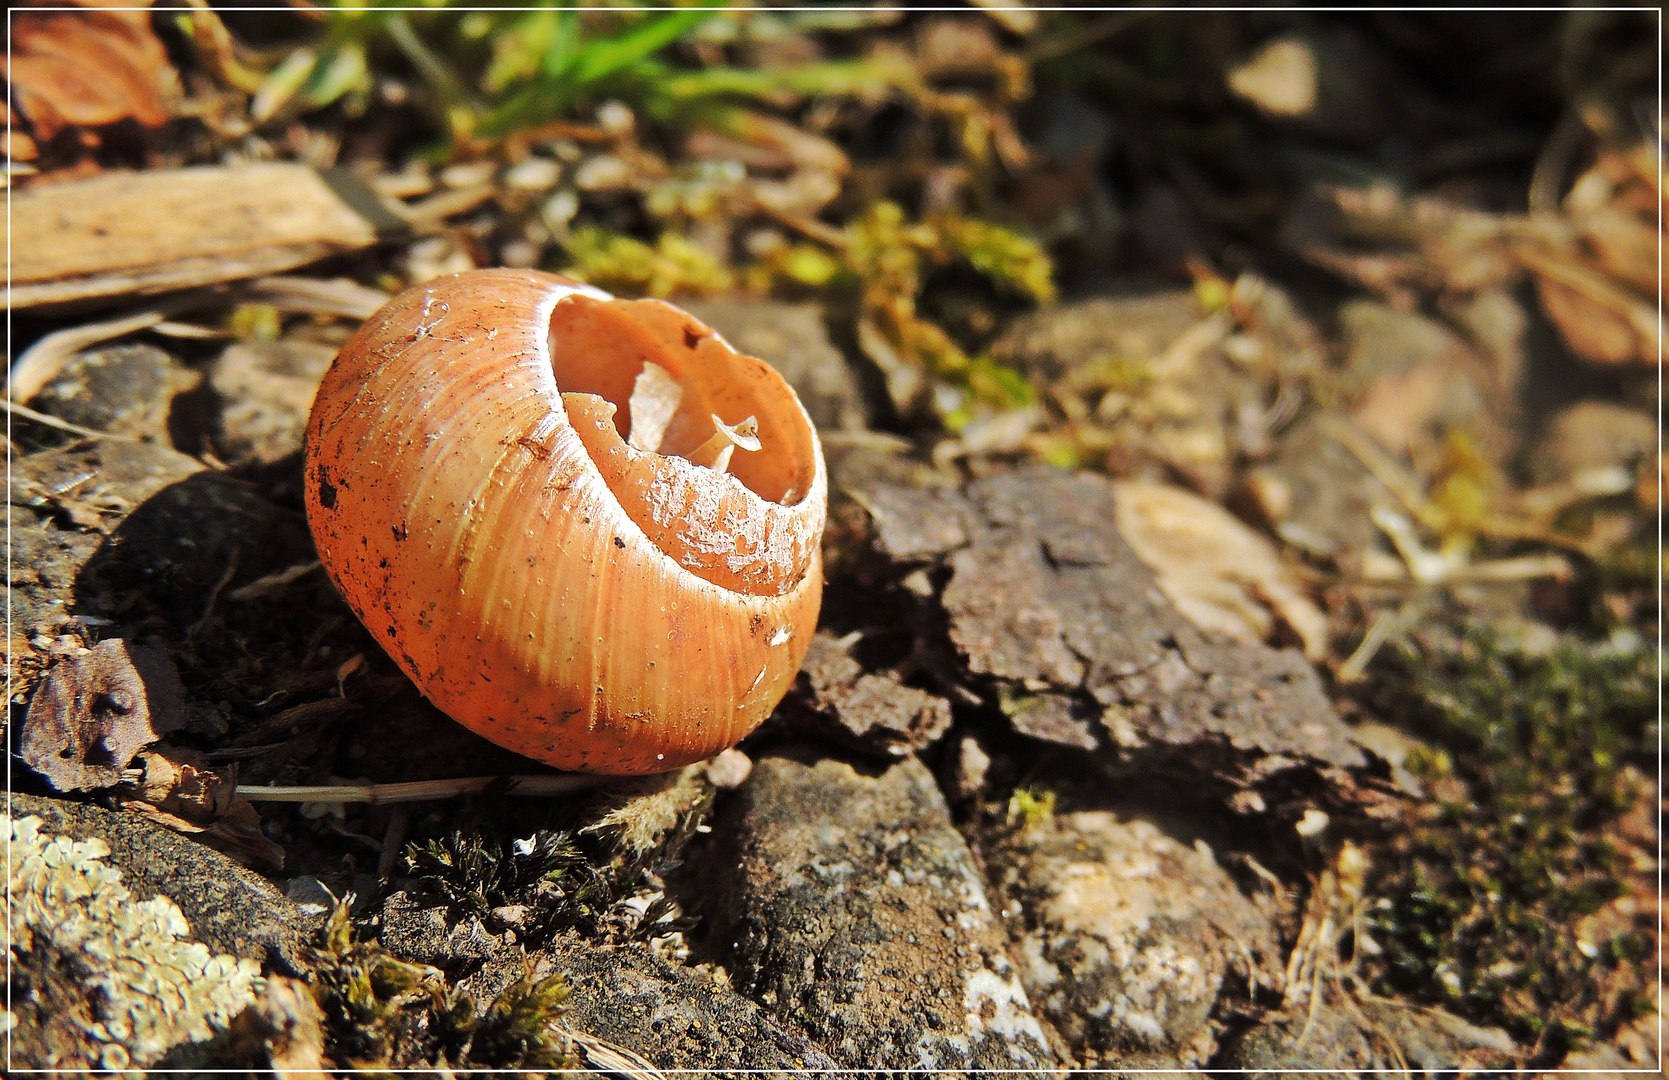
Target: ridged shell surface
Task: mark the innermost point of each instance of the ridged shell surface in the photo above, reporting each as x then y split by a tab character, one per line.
567	595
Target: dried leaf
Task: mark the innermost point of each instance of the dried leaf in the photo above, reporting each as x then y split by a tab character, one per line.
1219	573
88	69
179	791
96	711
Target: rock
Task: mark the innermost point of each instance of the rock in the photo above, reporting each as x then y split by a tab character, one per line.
1060	625
230	909
676	1017
1317	495
1129	936
181	545
422	932
1373	1034
266	391
1151	369
60	503
835	697
846	903
103	976
123	390
792	339
1413	380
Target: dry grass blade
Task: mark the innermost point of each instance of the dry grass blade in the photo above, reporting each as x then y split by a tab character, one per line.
605	1057
42	361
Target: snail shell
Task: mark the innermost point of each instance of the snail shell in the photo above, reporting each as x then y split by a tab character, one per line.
543	581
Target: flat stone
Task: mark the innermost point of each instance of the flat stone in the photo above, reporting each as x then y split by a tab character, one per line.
676	1017
231	910
121	390
1129	935
60	505
265	391
847	904
793	339
1060	625
1317	495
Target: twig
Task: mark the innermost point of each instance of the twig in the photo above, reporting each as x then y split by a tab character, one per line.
419	790
273	582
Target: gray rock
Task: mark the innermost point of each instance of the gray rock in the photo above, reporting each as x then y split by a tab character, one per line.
1129	936
1060	624
792	339
1317	495
1374	1035
1171	400
123	390
266	391
623	993
1053	342
676	1017
849	906
231	910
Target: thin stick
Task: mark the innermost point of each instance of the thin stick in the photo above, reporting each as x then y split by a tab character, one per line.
418	790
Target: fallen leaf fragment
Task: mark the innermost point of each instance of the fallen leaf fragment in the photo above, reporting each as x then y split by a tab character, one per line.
88	69
1221	575
177	789
95	711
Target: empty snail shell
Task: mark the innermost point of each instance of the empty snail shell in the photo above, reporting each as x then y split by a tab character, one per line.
588	529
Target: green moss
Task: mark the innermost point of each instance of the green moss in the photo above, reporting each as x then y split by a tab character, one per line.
1482	896
547	873
1030	808
382	1012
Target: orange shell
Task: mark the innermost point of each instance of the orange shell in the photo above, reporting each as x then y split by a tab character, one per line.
568	596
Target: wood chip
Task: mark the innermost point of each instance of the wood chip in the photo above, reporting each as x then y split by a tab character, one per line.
149	232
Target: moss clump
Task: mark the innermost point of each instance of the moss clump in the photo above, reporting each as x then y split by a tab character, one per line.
554	879
1484	893
546	874
382	1012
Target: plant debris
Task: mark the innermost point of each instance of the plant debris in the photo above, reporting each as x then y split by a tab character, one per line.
95	711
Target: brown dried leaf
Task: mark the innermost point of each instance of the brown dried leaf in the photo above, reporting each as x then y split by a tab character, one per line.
1219	573
88	69
181	792
94	712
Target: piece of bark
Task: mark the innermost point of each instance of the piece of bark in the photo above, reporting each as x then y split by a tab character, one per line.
871	711
1061	626
150	232
96	711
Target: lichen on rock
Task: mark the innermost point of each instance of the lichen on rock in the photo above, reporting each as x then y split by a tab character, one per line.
115	981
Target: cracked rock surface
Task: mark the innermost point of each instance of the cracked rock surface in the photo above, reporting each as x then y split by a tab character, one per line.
849	906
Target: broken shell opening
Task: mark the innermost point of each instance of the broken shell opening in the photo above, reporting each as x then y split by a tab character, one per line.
678	389
706	450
